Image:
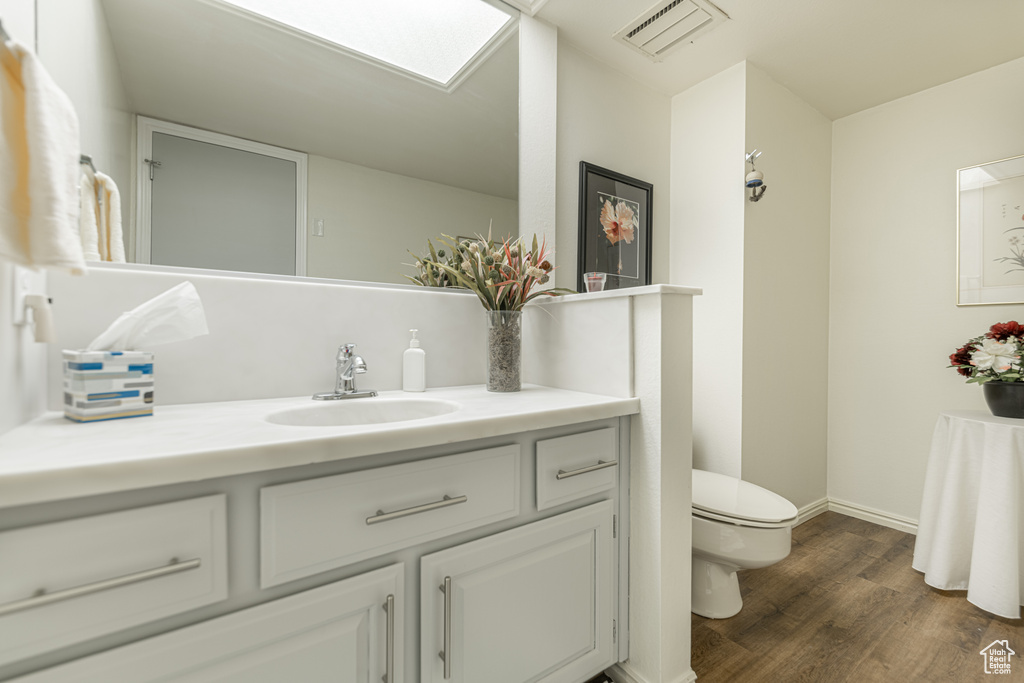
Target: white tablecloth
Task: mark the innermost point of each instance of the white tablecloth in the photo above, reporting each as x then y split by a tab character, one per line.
971	532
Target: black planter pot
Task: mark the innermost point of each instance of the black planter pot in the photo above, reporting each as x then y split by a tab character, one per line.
1005	399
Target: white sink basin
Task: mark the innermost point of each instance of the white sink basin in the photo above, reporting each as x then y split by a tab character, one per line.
362	411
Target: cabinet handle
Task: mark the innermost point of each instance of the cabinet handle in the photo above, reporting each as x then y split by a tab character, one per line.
601	464
447	501
445	654
389	665
42	598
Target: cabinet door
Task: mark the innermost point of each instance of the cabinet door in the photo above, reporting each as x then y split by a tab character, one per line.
339	633
530	604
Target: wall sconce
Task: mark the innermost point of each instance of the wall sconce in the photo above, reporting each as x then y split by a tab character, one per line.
755	179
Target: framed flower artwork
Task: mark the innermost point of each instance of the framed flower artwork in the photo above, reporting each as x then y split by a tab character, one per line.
614	227
990	233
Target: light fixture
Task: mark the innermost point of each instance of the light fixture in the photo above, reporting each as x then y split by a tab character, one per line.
755	179
436	42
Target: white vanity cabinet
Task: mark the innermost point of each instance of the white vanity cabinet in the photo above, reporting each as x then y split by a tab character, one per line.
531	604
344	632
364	570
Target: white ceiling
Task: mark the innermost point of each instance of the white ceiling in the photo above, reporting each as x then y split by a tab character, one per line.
188	62
839	56
192	62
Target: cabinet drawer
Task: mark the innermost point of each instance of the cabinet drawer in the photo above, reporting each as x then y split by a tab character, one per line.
71	581
312	526
575	466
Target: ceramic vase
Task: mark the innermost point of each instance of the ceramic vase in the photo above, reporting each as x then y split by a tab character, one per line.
1004	399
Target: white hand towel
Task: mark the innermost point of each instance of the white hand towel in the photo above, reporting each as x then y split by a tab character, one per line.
88	218
39	149
110	209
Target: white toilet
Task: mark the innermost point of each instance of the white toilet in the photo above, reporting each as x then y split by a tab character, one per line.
736	525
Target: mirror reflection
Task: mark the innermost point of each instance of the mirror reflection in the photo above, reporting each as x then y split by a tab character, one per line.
238	144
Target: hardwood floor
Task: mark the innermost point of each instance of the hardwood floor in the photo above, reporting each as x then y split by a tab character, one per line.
847	606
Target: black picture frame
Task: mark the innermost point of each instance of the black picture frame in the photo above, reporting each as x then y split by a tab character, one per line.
606	243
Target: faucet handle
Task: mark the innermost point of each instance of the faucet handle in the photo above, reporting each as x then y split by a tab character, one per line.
345	351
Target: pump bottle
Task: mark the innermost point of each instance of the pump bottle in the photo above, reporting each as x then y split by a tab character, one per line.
414	366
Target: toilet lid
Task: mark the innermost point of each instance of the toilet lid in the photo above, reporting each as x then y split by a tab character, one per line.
734	498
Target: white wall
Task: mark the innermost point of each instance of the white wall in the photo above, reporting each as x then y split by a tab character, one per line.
610	120
273	338
22	361
76	48
358	204
785	294
538	104
894	321
764	271
707	251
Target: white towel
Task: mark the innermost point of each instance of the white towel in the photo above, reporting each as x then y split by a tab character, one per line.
111	235
89	218
39	149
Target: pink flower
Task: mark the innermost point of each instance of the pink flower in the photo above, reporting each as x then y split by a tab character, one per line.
617	222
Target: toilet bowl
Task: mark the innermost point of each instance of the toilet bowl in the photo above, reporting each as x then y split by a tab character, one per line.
736	525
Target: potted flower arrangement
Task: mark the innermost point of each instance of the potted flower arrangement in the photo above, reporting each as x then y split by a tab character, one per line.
505	276
994	361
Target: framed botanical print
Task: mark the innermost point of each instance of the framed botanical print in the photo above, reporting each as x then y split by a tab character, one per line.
990	233
614	228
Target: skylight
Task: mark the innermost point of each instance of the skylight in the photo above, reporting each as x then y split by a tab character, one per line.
434	39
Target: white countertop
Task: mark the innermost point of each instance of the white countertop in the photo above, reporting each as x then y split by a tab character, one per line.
620	294
52	458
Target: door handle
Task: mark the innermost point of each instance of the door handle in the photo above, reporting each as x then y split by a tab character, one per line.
601	464
42	598
447	501
389	663
446	653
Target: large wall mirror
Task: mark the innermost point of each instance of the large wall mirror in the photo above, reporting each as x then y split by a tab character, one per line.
385	161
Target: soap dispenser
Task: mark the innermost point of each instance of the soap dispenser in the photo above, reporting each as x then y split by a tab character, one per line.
414	366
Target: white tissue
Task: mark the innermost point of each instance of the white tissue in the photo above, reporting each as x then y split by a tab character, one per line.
175	315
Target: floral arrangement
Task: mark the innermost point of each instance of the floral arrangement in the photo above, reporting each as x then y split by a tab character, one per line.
503	275
992	357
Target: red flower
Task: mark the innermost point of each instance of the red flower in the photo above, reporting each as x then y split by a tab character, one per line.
1001	331
962	357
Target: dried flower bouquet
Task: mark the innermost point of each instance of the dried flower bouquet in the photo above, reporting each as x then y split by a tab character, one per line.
503	275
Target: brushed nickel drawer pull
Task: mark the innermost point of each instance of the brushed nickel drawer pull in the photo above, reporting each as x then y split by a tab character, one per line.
447	501
446	653
42	598
389	671
601	464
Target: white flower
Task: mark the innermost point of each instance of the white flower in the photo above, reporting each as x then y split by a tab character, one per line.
994	355
535	272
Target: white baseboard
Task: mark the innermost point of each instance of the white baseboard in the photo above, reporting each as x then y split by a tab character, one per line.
811	510
875	516
620	674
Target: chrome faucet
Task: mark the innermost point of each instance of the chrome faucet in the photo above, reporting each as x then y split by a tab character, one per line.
349	365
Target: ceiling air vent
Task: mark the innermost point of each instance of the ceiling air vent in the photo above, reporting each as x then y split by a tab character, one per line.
668	25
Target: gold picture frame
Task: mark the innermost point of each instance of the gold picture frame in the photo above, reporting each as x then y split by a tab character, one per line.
990	233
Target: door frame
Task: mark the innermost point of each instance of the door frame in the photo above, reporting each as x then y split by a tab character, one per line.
144	190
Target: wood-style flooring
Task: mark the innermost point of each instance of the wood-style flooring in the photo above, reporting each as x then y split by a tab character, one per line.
847	606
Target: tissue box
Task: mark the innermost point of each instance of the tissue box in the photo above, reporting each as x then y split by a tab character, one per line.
107	385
